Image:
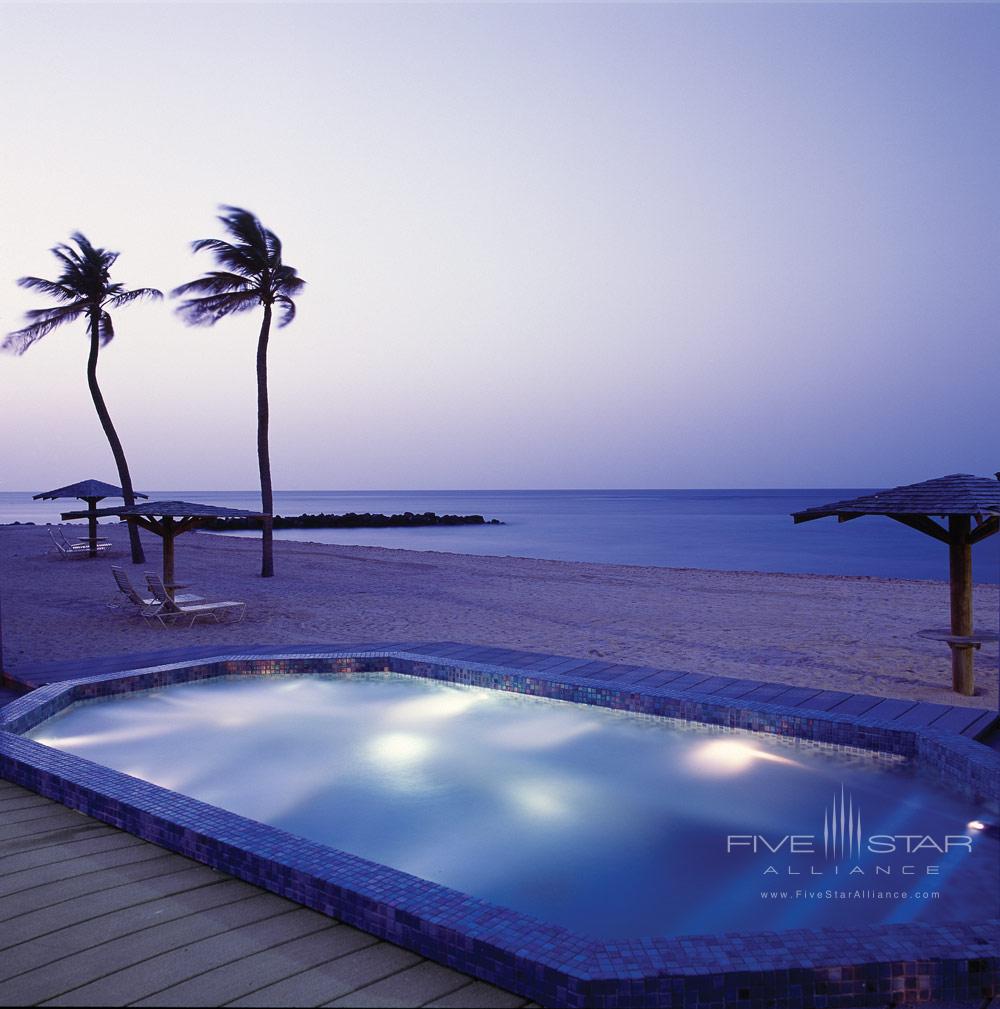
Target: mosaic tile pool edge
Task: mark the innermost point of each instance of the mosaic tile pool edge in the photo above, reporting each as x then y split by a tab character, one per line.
815	967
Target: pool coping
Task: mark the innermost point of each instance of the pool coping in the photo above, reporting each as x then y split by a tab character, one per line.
551	964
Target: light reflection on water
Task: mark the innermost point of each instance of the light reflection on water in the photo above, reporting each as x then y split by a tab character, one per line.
605	822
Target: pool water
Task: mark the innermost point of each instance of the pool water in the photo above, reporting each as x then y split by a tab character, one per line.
611	824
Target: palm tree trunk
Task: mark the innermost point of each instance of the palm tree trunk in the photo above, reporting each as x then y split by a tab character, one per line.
2	673
263	451
138	557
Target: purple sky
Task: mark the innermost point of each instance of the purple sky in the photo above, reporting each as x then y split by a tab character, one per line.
547	246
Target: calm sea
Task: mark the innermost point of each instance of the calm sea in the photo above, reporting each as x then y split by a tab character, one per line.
747	530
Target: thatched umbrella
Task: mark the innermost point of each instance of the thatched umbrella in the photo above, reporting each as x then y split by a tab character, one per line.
90	491
168	519
962	500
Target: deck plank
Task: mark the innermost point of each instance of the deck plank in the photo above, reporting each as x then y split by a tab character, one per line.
80	909
10	801
796	697
522	660
422	982
765	693
242	977
715	683
33	898
643	676
921	714
104	839
856	704
981	724
609	674
689	681
566	666
102	929
55	818
593	670
116	969
478	996
824	700
335	979
67	870
738	688
25	813
957	719
890	709
84	829
149	970
93	916
549	662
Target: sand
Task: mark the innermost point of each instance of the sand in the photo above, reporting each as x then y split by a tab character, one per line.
853	634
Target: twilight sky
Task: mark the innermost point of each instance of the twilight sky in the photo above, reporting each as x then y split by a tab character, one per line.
698	245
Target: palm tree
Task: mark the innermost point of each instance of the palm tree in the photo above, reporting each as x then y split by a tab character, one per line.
253	274
84	290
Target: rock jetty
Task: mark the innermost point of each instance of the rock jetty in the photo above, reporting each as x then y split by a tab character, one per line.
355	520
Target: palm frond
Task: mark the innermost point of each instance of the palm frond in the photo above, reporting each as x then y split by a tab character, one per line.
208	310
237	258
35	315
41	322
84	283
87	267
53	288
273	246
127	297
287	282
286	308
105	329
252	273
90	254
247	229
68	256
21	339
215	282
210	245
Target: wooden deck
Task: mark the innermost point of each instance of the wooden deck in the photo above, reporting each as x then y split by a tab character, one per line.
90	915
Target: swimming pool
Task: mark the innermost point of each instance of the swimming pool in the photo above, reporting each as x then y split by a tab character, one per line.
632	951
610	823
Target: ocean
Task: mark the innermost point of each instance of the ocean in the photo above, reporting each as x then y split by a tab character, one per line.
728	530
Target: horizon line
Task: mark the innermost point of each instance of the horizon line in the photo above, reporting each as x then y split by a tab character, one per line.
494	490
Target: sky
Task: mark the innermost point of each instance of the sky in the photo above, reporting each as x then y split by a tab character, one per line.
546	246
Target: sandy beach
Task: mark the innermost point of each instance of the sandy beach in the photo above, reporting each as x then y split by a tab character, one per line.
853	634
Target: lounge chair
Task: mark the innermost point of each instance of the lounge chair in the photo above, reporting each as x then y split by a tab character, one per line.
79	549
175	609
63	548
102	541
146	605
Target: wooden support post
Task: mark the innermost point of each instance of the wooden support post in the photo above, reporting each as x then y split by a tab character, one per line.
960	563
168	554
92	524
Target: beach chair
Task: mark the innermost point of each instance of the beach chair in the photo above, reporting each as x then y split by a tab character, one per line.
64	548
147	608
127	595
103	543
174	610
